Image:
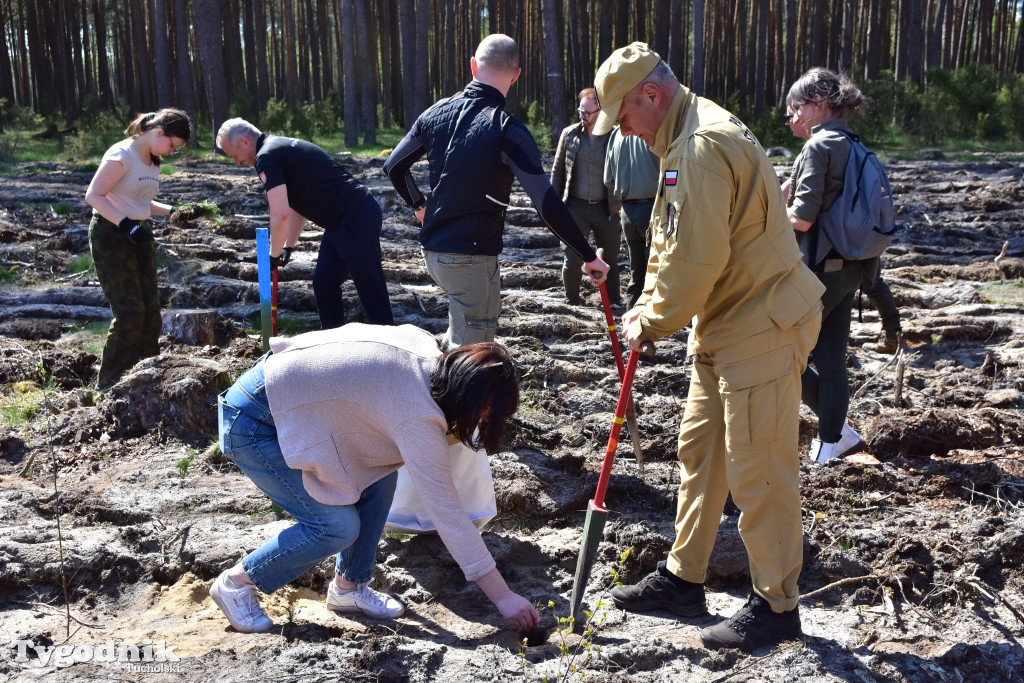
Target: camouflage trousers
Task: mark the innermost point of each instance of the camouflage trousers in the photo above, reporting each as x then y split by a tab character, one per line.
127	274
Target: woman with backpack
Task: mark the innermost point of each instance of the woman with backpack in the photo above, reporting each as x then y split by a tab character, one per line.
820	100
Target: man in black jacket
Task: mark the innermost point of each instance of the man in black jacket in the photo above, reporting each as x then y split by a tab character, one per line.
474	148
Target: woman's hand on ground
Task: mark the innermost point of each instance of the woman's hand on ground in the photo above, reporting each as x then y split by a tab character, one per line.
518	611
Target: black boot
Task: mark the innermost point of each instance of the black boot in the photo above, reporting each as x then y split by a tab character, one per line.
753	626
662	590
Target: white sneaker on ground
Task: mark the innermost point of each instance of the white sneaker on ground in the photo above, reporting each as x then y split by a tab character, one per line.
822	450
240	606
363	599
848	441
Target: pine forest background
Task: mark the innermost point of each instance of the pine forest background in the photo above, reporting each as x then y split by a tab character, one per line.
936	70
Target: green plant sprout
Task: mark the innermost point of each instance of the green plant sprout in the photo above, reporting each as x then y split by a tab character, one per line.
186	462
574	659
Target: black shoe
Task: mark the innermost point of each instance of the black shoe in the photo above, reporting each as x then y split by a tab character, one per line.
754	625
662	590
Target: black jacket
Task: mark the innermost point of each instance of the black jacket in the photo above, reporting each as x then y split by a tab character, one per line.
474	149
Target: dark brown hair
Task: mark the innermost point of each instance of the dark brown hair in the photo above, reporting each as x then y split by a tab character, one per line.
171	121
472	383
835	89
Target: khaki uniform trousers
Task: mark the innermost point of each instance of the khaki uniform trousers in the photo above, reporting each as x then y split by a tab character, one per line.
740	433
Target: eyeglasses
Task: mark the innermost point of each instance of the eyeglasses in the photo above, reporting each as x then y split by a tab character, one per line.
175	149
787	118
584	112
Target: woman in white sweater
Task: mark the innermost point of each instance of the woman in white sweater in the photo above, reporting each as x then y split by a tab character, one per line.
323	422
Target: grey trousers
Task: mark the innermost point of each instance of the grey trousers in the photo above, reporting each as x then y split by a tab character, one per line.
473	285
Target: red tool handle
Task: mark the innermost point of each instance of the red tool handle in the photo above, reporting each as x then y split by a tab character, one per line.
273	301
610	322
613	438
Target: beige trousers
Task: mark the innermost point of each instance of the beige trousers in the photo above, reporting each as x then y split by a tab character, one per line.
739	433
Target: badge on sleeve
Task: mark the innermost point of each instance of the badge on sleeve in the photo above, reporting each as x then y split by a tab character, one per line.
263	177
670	224
671	177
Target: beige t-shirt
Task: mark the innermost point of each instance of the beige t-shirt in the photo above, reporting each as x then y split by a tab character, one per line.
134	192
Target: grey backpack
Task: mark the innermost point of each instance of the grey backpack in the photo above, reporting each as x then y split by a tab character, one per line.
861	221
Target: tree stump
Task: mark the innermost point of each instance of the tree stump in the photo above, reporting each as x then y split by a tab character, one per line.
190	326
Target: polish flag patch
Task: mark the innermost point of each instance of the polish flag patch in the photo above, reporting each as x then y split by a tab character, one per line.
671	177
263	178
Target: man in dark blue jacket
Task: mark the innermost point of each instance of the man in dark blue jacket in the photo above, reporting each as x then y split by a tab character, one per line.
303	182
474	149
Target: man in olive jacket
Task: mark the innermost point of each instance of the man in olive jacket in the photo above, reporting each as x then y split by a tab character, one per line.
577	175
722	254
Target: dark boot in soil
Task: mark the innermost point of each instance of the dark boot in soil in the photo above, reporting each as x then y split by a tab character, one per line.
754	625
888	343
661	589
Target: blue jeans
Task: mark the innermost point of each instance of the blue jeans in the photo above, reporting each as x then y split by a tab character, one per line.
249	439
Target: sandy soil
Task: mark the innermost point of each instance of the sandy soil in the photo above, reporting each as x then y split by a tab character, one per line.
913	547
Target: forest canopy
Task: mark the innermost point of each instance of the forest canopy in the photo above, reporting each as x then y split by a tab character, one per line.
934	68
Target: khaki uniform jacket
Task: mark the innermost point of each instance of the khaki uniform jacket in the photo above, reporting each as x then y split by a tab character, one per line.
723	251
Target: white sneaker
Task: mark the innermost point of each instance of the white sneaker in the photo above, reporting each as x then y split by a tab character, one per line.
848	441
363	599
240	606
823	450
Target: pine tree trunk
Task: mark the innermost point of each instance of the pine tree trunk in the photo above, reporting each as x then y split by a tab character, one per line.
407	26
367	77
104	88
554	69
158	29
208	32
185	97
262	66
348	60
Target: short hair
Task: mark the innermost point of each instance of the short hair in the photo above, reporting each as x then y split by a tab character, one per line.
661	76
476	388
497	52
234	129
826	85
587	92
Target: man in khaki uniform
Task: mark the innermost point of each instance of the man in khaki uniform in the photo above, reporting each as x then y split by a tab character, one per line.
723	254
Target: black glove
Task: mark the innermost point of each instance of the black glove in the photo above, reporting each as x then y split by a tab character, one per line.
134	230
283	259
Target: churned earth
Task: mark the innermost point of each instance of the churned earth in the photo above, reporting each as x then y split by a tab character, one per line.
914	547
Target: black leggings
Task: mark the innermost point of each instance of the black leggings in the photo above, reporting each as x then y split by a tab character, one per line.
825	385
